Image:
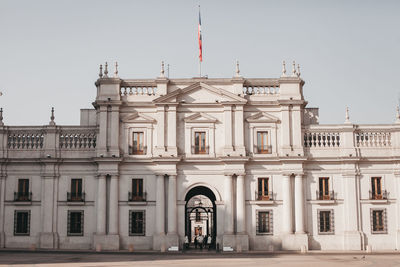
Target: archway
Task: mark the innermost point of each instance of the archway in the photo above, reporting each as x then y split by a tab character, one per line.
200	214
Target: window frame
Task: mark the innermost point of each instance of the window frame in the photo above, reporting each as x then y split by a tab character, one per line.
138	151
269	223
137	197
384	221
131	233
78	195
324	194
25	194
82	221
263	145
375	181
197	150
28	223
262	195
331	222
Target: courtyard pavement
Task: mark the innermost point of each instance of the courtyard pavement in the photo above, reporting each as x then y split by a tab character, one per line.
68	258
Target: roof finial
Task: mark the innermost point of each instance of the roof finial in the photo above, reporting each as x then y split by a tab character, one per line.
106	70
237	69
294	69
397	114
1	117
116	70
283	69
298	70
52	117
162	72
101	71
347	119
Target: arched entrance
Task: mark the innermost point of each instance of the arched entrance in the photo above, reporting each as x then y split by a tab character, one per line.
200	214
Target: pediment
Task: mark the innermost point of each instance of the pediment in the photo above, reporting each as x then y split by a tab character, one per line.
262	117
200	117
200	93
137	118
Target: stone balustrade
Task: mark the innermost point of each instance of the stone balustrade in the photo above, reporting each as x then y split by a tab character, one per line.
373	138
25	139
322	139
260	90
138	87
76	138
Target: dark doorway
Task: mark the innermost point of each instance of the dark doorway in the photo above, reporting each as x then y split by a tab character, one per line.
200	215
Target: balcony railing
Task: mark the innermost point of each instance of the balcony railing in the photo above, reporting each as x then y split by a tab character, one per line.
22	196
200	150
73	197
375	196
266	196
136	151
327	196
135	197
262	149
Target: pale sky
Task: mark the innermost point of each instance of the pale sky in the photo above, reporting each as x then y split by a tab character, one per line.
349	51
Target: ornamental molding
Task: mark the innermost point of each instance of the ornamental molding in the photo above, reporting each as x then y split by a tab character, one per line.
200	117
262	117
137	118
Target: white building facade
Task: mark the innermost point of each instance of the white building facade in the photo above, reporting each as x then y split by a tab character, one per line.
241	160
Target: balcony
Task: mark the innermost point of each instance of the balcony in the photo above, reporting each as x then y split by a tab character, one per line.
136	198
73	197
136	151
22	196
264	197
200	150
321	196
375	196
262	149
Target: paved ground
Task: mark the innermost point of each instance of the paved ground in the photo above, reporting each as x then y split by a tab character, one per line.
37	258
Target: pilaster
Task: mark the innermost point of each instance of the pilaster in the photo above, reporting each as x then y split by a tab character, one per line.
159	233
171	146
228	149
287	206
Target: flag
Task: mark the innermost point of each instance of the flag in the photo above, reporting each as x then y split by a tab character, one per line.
200	41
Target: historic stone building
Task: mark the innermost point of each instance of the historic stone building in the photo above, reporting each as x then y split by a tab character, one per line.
241	160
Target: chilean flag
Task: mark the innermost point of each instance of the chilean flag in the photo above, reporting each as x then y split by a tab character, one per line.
200	41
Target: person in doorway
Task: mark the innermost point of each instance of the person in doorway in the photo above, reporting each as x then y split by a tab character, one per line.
200	240
209	240
186	242
195	241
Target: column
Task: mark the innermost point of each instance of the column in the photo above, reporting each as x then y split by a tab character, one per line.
239	130
285	131
2	198
172	211
299	204
171	130
114	131
160	147
102	138
287	205
113	206
228	204
101	205
228	128
160	207
240	205
397	179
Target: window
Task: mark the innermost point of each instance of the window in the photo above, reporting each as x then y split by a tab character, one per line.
75	223
137	146
263	189
264	222
262	143
376	188
200	143
22	222
324	188
136	222
378	221
23	193
325	222
76	190
137	190
198	216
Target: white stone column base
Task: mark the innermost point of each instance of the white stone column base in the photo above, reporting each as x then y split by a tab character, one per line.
352	240
171	240
105	242
48	240
397	240
159	151
159	242
172	151
2	239
294	241
238	242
